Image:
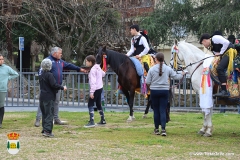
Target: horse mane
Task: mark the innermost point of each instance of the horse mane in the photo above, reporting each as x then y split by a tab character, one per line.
115	59
192	55
190	48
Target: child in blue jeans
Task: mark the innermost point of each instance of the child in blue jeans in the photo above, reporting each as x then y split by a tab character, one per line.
157	81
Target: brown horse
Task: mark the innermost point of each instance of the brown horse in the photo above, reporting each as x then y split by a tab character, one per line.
128	78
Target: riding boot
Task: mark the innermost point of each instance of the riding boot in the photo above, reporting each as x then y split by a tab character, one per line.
222	93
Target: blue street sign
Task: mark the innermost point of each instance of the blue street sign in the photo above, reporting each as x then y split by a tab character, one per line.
21	43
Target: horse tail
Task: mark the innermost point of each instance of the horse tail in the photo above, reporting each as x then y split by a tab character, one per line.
146	67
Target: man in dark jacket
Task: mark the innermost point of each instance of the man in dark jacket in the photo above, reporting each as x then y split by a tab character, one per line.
58	65
48	89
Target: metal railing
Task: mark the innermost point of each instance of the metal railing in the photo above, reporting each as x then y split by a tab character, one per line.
78	91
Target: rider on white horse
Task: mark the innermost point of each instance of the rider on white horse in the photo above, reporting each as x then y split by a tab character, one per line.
221	46
188	54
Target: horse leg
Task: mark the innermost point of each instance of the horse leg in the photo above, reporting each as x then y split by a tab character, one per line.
147	108
130	103
209	130
204	127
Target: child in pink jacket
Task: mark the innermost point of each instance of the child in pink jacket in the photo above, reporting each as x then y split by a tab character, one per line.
96	87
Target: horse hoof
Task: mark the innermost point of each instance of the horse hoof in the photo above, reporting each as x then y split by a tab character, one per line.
133	118
144	116
130	119
201	133
207	135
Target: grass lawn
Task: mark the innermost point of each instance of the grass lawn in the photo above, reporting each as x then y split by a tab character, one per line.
122	140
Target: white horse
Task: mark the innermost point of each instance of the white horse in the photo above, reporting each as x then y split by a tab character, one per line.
191	56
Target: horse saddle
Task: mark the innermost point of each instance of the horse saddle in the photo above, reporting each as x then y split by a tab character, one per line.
147	62
233	79
143	64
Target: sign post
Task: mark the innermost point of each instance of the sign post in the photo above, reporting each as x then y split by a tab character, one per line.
21	48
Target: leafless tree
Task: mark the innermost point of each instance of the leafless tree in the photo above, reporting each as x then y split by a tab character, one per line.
71	25
35	50
80	25
9	8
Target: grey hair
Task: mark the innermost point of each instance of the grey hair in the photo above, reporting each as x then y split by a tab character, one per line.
55	49
46	64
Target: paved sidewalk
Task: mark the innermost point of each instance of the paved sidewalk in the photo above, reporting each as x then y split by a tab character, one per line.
30	109
64	108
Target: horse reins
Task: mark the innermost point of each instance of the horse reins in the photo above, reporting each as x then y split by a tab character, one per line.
190	76
104	61
194	71
190	64
198	64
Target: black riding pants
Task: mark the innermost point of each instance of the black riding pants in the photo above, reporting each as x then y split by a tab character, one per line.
221	69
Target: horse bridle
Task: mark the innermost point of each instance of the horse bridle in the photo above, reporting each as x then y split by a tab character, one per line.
104	55
184	67
190	64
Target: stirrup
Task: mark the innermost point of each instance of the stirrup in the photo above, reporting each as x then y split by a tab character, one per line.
221	94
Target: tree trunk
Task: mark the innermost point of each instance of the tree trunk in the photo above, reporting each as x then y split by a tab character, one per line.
9	41
81	56
66	53
33	63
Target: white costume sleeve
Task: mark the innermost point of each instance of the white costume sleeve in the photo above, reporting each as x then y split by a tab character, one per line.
131	51
144	42
217	39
